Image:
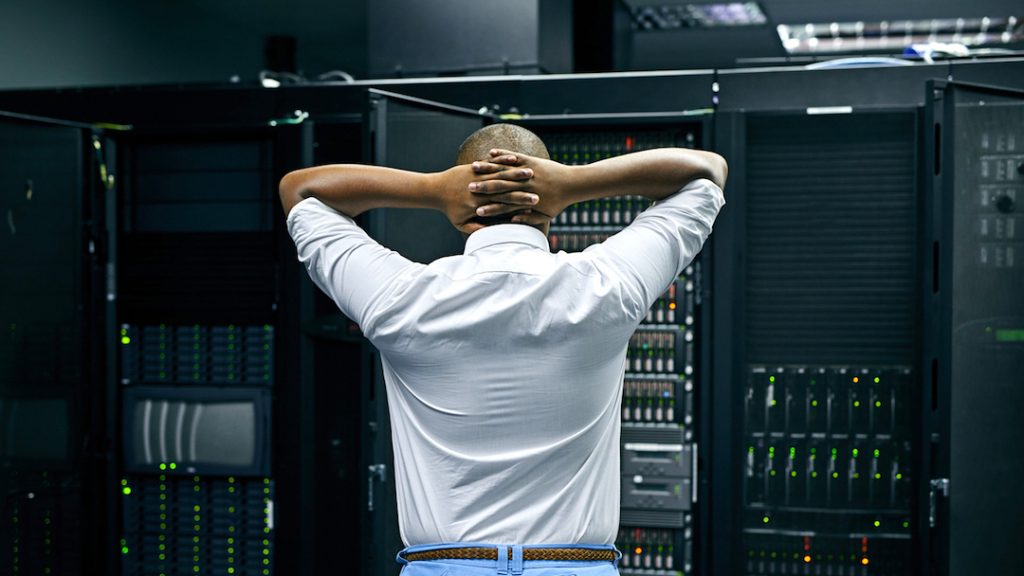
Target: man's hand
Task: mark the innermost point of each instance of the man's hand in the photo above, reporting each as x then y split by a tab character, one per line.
547	180
462	206
653	174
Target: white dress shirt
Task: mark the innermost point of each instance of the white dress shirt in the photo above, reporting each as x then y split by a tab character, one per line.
504	365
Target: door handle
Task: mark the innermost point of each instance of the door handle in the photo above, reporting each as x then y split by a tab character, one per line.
376	472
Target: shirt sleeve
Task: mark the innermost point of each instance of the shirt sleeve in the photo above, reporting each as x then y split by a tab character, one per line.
653	250
342	259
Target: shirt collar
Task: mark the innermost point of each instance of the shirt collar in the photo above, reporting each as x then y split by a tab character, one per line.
505	234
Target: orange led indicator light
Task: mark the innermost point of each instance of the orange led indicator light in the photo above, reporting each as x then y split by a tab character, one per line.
807	558
638	550
671	305
864	561
856	379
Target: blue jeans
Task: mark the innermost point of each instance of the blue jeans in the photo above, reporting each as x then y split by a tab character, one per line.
514	567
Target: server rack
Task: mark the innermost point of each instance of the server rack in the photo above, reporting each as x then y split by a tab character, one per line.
196	294
816	343
973	339
52	257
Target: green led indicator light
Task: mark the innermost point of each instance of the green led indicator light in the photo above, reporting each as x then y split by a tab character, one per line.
766	519
196	508
163	466
878	403
856	452
814	474
1010	335
835	474
856	404
877	452
814	403
771	379
899	476
877	523
126	490
772	473
774	402
906	524
172	465
878	476
877	379
750	449
124	481
793	473
124	549
126	340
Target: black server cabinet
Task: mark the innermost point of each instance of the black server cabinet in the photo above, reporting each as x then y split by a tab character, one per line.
816	338
52	264
198	366
974	353
420	135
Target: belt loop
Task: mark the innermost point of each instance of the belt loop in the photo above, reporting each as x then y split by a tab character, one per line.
502	560
517	560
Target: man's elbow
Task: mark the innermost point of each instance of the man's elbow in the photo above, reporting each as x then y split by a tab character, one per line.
292	189
717	169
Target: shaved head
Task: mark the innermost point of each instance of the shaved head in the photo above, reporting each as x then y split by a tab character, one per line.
506	136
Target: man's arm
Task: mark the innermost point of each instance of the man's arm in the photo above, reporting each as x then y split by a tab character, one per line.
655	174
353	189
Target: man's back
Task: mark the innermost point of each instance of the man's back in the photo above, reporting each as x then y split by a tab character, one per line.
504	366
504	370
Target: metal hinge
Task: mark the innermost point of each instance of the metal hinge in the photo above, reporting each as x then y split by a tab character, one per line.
937	486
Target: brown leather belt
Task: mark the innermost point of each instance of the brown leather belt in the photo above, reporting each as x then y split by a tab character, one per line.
487	553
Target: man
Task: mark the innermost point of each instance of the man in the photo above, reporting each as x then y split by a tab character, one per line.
504	365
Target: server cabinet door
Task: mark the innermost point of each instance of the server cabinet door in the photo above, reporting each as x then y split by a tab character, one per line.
975	316
48	389
410	134
815	339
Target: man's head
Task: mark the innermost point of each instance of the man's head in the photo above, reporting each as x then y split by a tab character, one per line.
506	137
